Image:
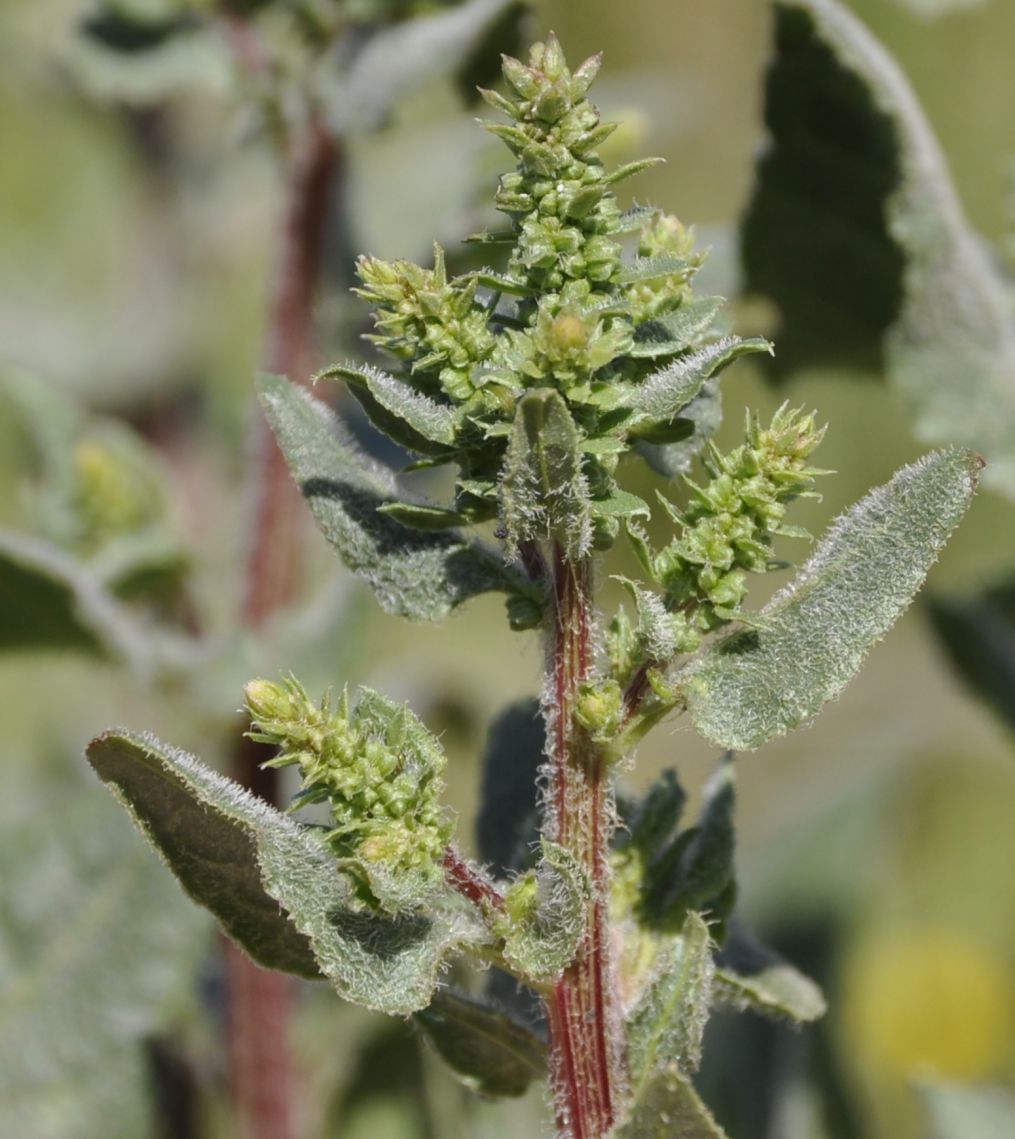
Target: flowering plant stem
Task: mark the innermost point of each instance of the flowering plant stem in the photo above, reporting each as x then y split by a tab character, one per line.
585	1044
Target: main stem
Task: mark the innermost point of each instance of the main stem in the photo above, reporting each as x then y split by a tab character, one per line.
586	1047
260	1002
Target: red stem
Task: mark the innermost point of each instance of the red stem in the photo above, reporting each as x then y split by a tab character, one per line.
469	882
261	1068
585	1038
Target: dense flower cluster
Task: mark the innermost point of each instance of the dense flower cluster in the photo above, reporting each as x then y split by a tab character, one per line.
377	768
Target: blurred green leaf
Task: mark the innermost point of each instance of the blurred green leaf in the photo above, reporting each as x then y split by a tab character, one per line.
750	976
50	601
813	636
957	1112
507	822
695	872
668	1106
120	30
978	634
273	884
415	574
97	952
403	56
668	1022
857	233
488	1051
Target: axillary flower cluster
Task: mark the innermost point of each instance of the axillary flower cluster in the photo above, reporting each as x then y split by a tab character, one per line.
533	380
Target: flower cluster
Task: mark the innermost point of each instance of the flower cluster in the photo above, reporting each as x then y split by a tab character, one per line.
377	768
726	529
567	312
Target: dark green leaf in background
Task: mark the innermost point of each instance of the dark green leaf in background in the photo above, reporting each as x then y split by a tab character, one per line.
978	634
750	976
507	822
857	233
486	1049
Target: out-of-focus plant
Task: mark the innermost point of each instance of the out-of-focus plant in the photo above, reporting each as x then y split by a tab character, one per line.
886	276
532	379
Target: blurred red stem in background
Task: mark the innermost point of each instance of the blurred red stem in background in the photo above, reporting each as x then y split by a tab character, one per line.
261	1070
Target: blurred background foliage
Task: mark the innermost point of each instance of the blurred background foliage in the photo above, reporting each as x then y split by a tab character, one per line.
876	849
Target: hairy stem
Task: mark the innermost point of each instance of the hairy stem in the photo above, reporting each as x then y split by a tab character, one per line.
585	1041
260	1002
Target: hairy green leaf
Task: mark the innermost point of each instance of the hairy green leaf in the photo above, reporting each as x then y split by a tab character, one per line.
750	976
418	575
665	394
406	416
540	944
98	951
882	268
978	634
488	1051
666	1107
543	491
754	685
273	884
704	413
667	1024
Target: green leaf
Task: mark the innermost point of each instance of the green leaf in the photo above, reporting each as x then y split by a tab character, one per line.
98	952
695	872
507	824
667	1107
663	395
957	1112
401	57
978	634
174	59
755	685
620	504
650	268
127	32
691	320
411	419
273	885
704	413
50	601
668	1022
420	516
417	575
540	945
543	491
488	1051
881	269
750	976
